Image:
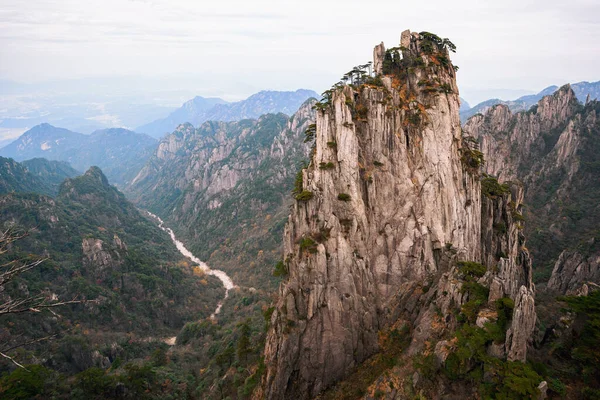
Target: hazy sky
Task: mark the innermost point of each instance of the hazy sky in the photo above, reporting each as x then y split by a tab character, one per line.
233	48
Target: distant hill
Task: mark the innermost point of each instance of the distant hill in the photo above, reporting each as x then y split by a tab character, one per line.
187	112
14	177
120	152
464	105
45	141
52	173
581	89
195	111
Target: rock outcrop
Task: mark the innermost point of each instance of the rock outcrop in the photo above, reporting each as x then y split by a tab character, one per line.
99	259
513	142
575	274
553	149
385	212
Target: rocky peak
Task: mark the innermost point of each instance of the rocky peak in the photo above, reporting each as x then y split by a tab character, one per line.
515	140
95	174
552	149
553	110
384	212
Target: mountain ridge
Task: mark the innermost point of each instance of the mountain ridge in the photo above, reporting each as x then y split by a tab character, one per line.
120	152
263	102
523	103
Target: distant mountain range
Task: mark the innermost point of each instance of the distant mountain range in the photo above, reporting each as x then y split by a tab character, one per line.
581	89
188	112
121	153
200	109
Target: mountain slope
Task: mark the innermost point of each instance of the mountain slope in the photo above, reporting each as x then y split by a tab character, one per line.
224	187
264	102
44	141
15	177
120	152
51	172
553	150
101	248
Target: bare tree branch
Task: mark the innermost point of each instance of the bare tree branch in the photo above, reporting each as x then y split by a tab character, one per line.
13	361
35	303
29	342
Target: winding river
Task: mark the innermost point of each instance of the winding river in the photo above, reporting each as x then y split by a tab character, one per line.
221	275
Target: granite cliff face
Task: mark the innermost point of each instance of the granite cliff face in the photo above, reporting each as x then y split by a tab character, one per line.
553	150
386	214
575	274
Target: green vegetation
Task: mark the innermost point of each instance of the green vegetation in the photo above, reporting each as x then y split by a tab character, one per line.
568	357
470	361
471	270
585	350
14	177
472	159
431	40
490	187
328	165
477	293
308	244
310	133
496	379
567	218
298	182
304	195
143	287
280	269
344	197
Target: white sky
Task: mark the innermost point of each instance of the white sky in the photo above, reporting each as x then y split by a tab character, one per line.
266	44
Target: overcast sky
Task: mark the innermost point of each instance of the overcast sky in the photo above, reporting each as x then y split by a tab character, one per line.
232	48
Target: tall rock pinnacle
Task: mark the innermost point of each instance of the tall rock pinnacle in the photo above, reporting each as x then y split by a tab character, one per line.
388	207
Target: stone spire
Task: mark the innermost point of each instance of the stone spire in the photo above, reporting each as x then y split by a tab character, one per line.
378	56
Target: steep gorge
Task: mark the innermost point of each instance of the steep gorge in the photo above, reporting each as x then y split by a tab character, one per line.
388	220
224	188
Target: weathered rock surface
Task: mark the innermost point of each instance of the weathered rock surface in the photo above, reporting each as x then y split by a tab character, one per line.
574	274
510	140
553	149
382	230
224	188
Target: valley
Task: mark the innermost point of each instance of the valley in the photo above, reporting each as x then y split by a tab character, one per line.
222	276
382	240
